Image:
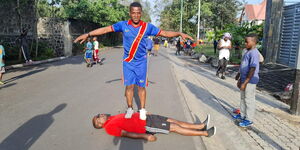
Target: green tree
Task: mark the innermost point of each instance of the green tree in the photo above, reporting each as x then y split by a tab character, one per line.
103	12
215	14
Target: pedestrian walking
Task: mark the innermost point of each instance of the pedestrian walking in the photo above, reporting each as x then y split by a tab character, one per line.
166	44
224	47
156	46
149	46
135	128
178	46
24	45
135	33
215	46
247	81
88	53
96	50
2	69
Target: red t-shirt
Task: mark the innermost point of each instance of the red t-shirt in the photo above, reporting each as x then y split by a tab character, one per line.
115	124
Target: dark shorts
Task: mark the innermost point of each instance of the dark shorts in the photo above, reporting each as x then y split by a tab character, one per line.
157	124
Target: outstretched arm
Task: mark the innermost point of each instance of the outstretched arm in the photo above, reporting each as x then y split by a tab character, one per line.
82	38
174	34
148	137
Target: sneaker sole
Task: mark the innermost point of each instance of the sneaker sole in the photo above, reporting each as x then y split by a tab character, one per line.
208	120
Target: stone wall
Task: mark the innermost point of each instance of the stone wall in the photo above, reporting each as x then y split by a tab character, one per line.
14	18
58	34
51	31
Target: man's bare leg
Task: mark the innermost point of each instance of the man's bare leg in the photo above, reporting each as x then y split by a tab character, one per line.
186	124
187	132
129	97
142	96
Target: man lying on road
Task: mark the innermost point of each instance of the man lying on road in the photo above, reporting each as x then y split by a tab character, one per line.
136	128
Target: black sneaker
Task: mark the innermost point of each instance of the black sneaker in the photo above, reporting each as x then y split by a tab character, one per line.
212	131
206	122
223	77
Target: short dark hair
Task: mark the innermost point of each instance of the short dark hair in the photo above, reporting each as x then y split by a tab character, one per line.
94	122
252	35
135	4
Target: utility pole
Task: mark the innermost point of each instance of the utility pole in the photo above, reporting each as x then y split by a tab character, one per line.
181	11
198	33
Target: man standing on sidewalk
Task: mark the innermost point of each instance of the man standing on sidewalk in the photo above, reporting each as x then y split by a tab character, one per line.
24	46
135	33
247	80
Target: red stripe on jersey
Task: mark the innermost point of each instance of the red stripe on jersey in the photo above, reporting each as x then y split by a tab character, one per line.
158	33
112	28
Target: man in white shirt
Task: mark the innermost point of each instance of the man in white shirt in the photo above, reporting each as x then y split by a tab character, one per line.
224	47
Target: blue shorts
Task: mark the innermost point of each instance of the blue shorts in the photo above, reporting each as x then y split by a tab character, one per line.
135	73
88	55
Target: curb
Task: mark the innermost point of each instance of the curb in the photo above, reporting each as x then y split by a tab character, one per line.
35	63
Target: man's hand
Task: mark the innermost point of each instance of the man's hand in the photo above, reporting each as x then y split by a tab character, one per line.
151	138
82	38
174	34
243	87
148	137
184	36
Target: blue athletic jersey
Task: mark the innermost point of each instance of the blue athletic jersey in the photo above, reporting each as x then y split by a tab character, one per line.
135	39
89	47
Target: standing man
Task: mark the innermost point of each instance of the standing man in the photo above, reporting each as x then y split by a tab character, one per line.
24	46
156	46
135	33
149	46
178	46
215	46
224	46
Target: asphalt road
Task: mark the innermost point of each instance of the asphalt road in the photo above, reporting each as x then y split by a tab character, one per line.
50	106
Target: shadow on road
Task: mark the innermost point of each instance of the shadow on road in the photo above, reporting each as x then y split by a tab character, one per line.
7	85
24	75
129	144
215	103
114	80
206	97
27	134
265	137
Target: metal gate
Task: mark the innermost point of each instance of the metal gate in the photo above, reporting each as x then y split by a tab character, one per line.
290	36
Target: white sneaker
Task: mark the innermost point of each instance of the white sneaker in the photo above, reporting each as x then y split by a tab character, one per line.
129	113
143	113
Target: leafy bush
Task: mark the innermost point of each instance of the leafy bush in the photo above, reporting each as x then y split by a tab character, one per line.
15	56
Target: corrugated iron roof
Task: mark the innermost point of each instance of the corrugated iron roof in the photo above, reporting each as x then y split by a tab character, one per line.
256	11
